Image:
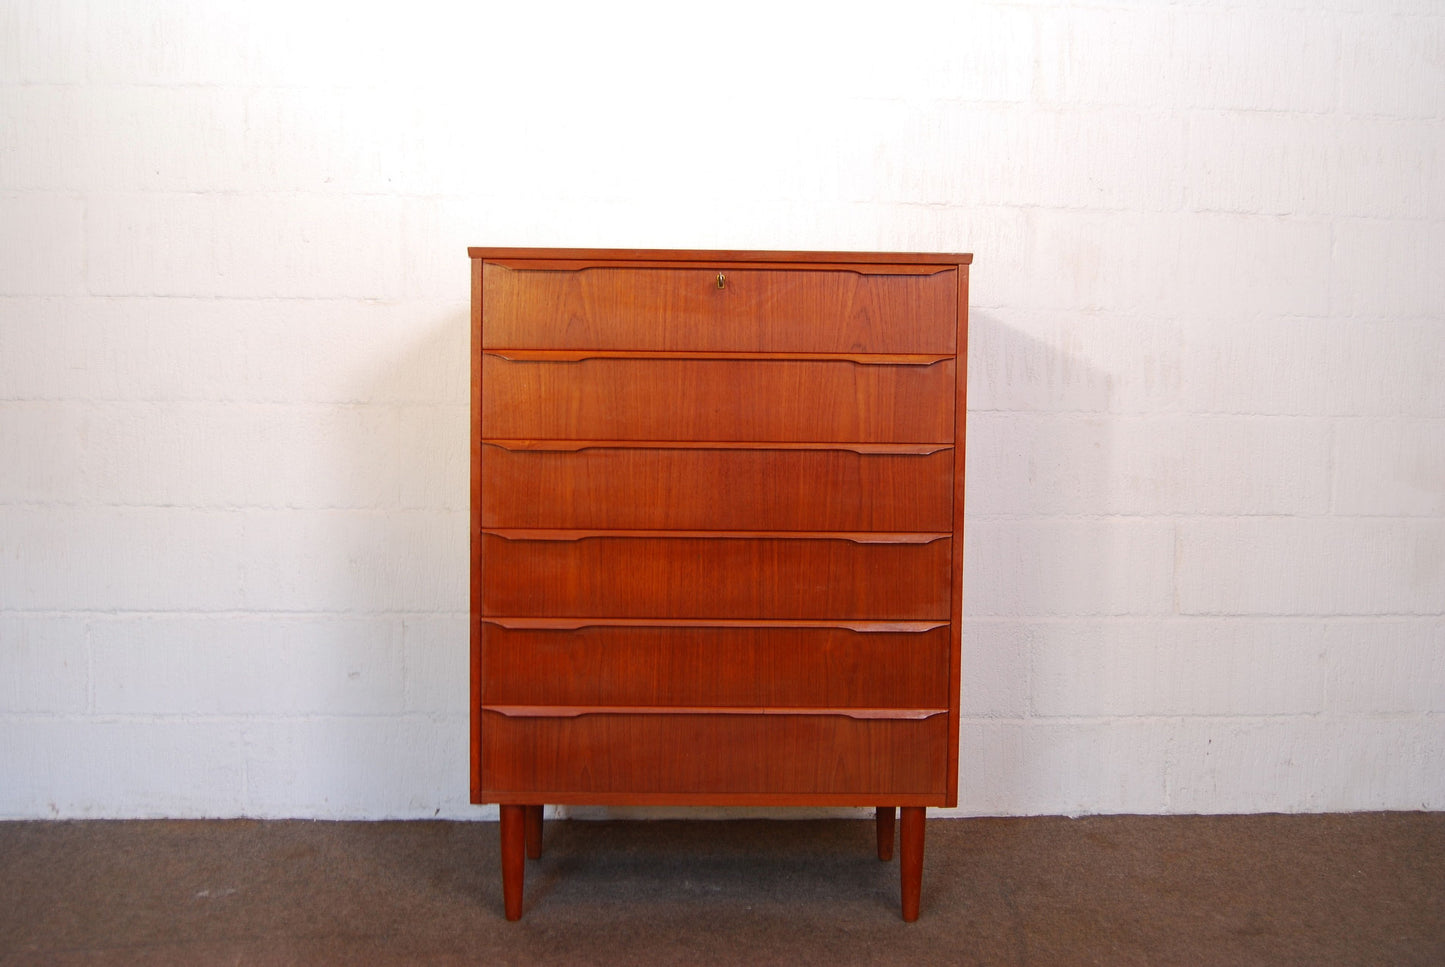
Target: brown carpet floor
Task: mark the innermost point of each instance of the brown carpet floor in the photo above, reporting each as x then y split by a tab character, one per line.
1229	890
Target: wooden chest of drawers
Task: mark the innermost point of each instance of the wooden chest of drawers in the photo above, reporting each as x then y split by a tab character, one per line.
717	518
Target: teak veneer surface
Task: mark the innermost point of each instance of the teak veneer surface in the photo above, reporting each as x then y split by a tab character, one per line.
703	577
717	504
699	666
771	310
575	257
577	758
767	489
717	399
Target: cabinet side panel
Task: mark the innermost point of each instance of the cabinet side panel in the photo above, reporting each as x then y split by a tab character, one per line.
960	431
474	535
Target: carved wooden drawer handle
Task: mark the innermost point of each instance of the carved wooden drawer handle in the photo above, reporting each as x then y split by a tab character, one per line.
577	711
853	537
862	627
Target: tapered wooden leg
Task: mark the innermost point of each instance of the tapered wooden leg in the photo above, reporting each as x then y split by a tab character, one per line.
883	818
910	861
514	860
534	832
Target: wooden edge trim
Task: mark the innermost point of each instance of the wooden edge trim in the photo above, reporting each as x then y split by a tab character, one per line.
573	446
576	624
583	265
568	797
577	711
769	258
956	550
862	537
583	355
474	540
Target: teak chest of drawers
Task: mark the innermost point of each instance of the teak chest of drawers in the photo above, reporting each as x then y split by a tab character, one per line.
717	534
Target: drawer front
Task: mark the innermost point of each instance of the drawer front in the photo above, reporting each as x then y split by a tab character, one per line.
715	577
756	310
717	399
555	759
756	667
720	489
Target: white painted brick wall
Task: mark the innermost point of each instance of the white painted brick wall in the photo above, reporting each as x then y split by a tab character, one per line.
244	246
437	673
1385	667
1206	534
1395	65
1171	57
98	767
160	454
1311	565
996	653
1170	667
1313	764
46	441
1081	766
42	43
1069	566
245	665
1385	168
1390	467
1388	268
341	766
78	558
41	251
1082	465
354	560
44	665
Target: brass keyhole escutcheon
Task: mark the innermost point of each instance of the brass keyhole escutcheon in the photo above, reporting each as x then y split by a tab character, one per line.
722	281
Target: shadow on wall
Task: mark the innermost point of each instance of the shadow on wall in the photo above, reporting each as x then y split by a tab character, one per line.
1038	547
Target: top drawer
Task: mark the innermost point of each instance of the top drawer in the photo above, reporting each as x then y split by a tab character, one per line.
873	309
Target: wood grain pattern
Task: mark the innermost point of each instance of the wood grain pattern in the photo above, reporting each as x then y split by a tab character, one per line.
782	756
534	832
579	711
702	666
955	674
582	257
730	489
514	861
572	265
862	626
474	548
884	821
715	798
576	446
717	533
910	860
718	399
852	537
716	578
767	310
578	355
